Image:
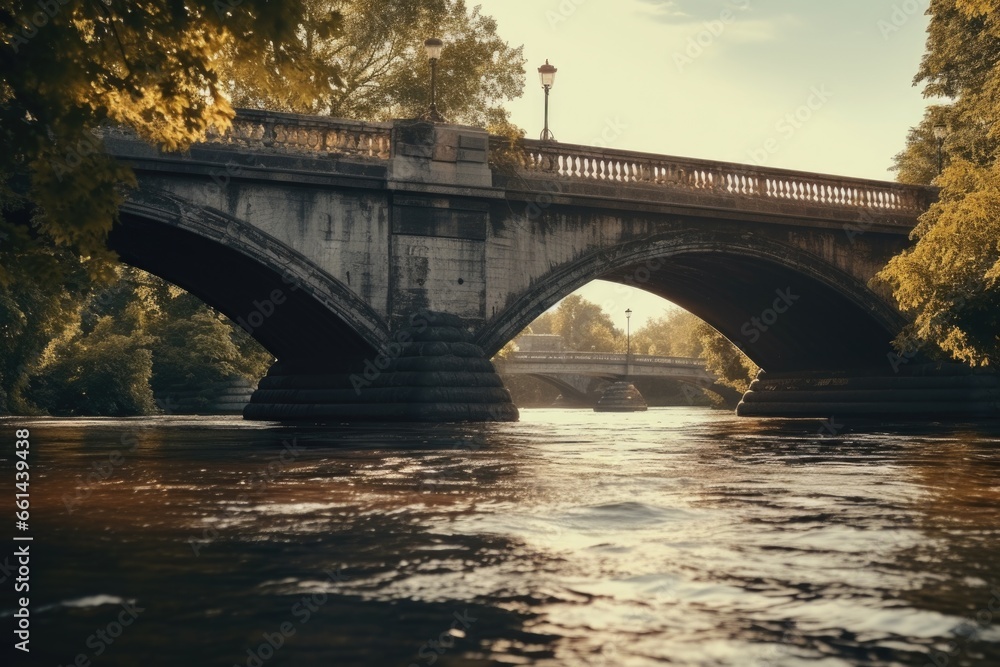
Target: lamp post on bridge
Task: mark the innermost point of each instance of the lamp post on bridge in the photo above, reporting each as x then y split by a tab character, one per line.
433	46
940	133
628	341
622	396
547	73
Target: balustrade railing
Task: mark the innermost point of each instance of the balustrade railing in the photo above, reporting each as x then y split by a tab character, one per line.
563	357
320	135
291	133
584	163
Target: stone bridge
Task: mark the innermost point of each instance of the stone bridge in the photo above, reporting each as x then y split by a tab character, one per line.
384	264
572	372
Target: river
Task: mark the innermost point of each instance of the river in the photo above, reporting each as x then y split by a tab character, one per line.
679	536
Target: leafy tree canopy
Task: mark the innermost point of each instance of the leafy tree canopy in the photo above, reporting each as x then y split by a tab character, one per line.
380	58
583	325
68	67
948	279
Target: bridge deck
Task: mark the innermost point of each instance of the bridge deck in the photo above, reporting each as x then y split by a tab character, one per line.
758	189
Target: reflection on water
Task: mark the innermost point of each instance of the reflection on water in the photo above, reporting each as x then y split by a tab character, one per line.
677	536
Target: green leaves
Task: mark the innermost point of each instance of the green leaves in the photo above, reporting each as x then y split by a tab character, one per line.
151	65
948	281
108	354
374	67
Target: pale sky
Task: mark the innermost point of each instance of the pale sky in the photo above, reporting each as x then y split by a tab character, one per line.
718	79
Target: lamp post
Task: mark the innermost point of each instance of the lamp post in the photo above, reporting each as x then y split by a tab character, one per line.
628	341
940	132
433	46
547	73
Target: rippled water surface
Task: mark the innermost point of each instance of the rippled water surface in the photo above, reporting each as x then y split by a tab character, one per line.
678	536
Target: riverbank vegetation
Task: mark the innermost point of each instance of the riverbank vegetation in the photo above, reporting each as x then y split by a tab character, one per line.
172	72
949	281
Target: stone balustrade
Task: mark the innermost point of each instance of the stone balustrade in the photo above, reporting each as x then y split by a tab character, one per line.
320	135
583	163
566	357
314	135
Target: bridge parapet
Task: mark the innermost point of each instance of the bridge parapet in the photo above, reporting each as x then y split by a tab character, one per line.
310	135
731	185
610	357
781	190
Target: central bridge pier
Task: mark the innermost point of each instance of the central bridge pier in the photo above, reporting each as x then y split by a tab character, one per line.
385	264
430	371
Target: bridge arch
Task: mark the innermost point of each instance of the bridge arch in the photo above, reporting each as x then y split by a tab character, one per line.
296	311
820	317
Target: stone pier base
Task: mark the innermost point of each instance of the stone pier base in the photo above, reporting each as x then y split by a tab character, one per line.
621	397
433	374
917	392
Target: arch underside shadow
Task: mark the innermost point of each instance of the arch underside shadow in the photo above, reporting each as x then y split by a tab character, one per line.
188	248
789	311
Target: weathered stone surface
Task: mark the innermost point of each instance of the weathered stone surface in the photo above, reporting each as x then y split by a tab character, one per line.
437	375
621	397
327	239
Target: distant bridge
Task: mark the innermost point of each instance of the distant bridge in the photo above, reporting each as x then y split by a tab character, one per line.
604	365
573	372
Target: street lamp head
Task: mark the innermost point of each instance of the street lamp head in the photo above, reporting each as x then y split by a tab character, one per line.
433	46
547	73
940	131
628	313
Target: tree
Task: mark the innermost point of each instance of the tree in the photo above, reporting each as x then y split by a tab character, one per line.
67	68
30	316
582	325
683	334
727	361
383	68
196	348
129	339
948	279
104	371
673	335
